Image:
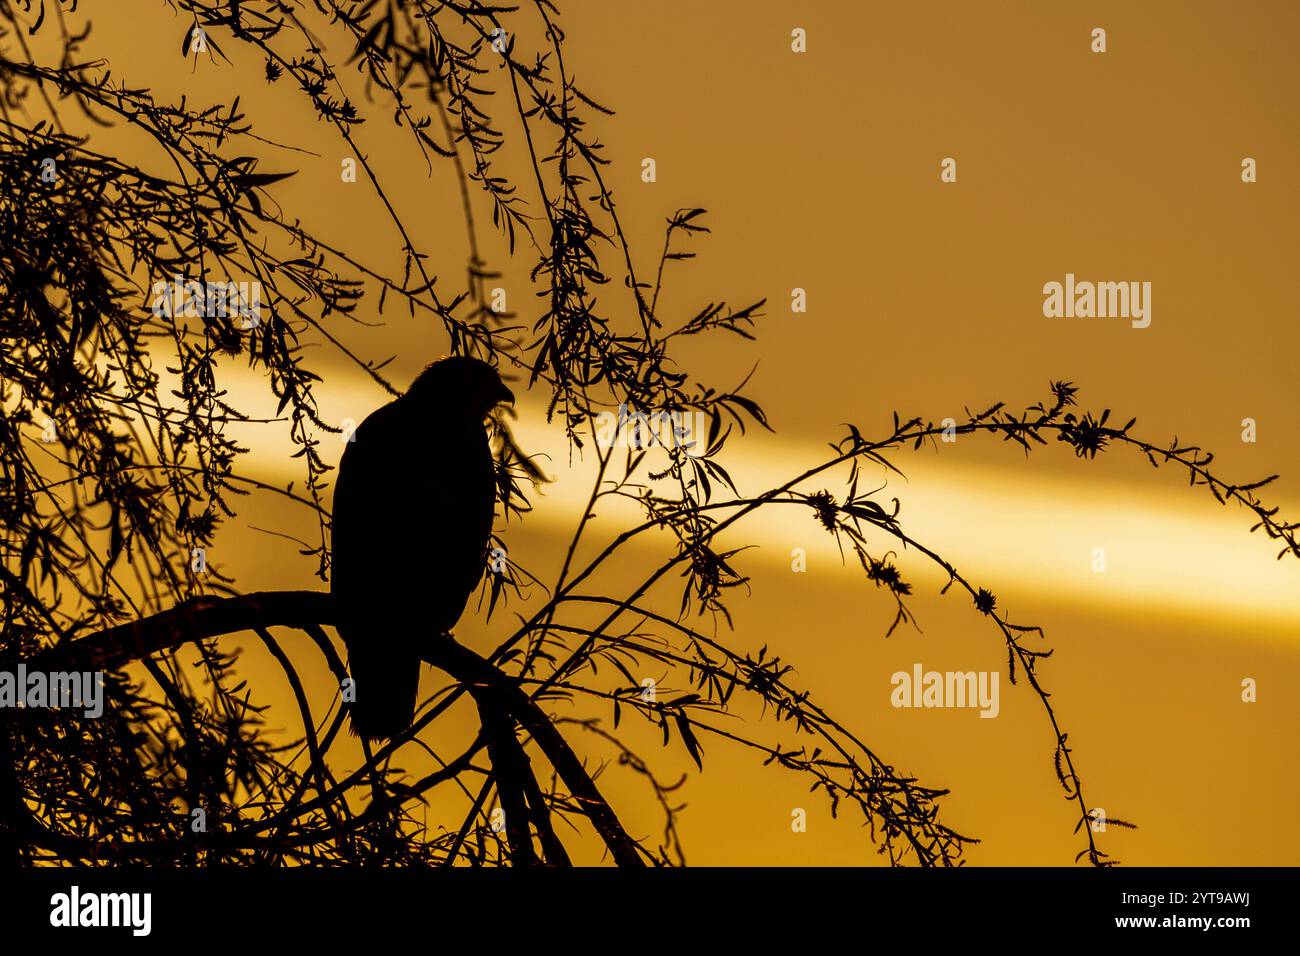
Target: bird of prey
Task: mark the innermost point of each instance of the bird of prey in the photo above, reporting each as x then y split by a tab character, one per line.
413	507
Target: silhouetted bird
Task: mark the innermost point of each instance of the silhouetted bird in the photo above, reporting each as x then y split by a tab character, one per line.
413	510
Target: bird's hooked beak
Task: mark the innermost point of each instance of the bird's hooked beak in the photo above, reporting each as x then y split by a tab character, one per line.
498	397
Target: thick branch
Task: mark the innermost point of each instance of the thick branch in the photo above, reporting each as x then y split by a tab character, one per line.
510	766
208	617
188	621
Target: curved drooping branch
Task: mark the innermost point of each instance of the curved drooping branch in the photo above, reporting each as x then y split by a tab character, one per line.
191	620
208	617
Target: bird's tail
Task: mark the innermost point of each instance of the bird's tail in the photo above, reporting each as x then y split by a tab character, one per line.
387	682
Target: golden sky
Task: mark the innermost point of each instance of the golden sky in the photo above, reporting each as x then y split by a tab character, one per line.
821	171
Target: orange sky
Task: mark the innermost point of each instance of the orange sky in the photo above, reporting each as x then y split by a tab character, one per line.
821	171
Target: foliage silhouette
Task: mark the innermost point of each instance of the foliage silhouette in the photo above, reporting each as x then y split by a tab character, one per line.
115	474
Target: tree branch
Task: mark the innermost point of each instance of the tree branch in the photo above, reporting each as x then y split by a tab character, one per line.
208	617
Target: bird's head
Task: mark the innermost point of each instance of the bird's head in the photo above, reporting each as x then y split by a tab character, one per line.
458	384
